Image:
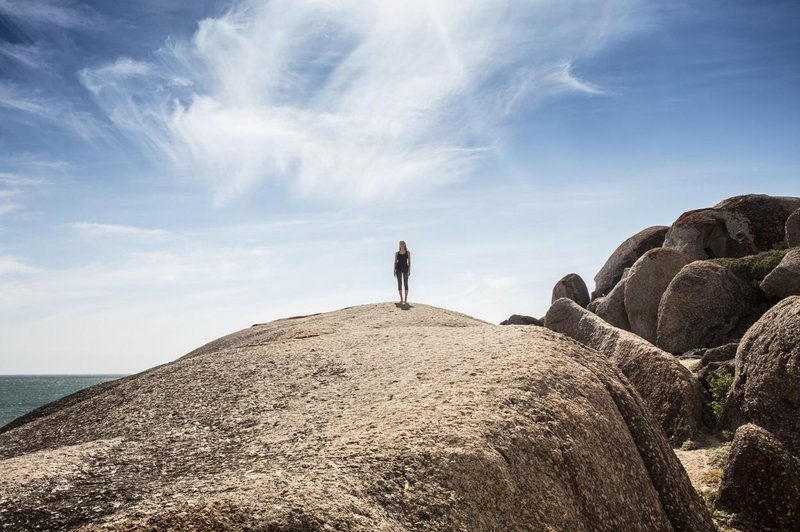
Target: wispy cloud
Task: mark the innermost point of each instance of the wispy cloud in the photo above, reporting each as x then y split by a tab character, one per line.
63	113
12	265
91	230
355	99
60	13
12	186
30	56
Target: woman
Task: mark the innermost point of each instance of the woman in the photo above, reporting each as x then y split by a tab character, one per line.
402	269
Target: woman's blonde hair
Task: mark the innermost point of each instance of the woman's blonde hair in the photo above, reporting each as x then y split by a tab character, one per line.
403	246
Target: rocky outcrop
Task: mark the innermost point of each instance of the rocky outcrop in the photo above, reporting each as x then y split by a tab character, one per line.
738	226
572	287
612	307
518	319
669	390
625	255
761	482
646	282
793	229
784	280
766	389
705	305
369	418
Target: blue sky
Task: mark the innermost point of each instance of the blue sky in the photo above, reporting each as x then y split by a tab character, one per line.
174	171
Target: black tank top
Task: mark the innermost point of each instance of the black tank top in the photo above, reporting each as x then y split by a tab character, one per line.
401	262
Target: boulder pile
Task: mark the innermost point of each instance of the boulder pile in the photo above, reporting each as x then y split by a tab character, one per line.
719	290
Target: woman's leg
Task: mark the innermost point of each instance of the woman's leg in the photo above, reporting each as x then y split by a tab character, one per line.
399	276
405	282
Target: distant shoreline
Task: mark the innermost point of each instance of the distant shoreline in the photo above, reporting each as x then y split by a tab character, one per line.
65	374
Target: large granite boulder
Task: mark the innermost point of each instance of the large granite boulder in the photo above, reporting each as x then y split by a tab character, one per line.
646	282
793	229
784	280
572	287
669	390
761	482
705	305
624	256
735	227
369	418
766	389
612	307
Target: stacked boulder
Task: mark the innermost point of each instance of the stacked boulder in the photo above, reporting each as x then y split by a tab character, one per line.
735	227
793	229
646	283
784	280
625	255
673	396
659	284
705	305
572	287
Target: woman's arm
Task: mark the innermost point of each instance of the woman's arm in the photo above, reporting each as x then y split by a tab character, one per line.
409	263
394	271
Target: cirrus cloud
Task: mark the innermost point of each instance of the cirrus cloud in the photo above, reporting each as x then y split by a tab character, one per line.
353	99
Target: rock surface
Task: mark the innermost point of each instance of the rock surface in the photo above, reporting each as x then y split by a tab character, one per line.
612	307
572	287
761	482
625	255
793	229
705	305
369	418
646	282
766	389
784	280
669	390
518	319
735	227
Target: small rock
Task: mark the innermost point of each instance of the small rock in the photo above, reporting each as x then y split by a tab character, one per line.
518	319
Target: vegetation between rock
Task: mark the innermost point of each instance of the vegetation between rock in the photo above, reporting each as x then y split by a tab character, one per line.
753	268
720	387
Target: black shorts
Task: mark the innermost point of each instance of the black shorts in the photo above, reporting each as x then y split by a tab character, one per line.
402	279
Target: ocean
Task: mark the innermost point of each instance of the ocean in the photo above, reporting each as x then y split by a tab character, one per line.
19	394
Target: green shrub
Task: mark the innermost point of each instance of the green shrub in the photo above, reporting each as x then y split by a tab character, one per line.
720	386
753	268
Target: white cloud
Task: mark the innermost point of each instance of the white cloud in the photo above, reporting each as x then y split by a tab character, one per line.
354	99
89	229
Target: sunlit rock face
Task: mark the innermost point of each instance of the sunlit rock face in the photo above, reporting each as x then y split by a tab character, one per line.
375	417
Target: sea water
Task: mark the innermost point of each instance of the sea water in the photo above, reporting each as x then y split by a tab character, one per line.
19	394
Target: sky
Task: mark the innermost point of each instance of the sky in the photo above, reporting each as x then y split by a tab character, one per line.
174	171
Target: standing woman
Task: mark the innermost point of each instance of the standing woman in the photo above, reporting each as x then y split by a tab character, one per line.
402	269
